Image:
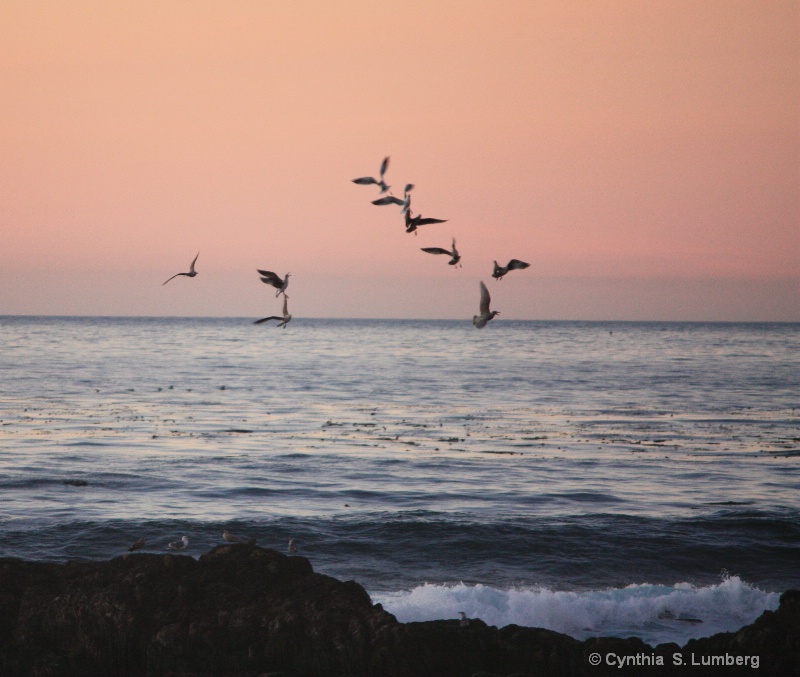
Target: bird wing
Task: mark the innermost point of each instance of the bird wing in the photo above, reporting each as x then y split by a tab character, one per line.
485	300
388	200
516	264
425	222
191	268
172	278
436	250
271	317
384	166
364	181
268	277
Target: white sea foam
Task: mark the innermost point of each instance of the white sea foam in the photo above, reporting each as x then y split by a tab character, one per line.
655	613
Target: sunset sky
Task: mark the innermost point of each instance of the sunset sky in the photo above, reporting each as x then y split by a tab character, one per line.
643	157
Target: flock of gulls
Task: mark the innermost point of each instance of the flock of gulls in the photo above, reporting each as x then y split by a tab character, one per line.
412	222
227	536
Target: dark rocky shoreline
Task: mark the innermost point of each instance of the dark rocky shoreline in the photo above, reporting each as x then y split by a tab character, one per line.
246	611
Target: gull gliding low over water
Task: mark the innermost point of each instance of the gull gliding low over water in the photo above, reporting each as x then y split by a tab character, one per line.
455	257
282	321
480	321
192	272
513	264
268	277
368	180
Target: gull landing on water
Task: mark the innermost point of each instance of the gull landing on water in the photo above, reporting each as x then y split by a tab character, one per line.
268	277
192	272
480	321
455	257
513	264
179	545
368	180
282	321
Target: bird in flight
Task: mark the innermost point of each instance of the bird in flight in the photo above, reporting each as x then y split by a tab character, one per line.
480	321
513	264
192	272
268	277
455	257
414	222
282	321
405	203
368	180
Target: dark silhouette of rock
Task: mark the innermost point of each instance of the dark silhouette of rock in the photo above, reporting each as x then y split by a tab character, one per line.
246	611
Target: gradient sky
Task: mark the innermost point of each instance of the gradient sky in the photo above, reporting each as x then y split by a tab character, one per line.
644	157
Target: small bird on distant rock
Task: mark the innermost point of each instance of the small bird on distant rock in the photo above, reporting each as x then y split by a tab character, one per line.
137	546
292	546
179	545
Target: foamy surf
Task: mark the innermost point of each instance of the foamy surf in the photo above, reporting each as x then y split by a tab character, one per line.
654	613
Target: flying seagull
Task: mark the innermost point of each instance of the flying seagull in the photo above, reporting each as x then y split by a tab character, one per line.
179	545
192	272
414	222
268	277
513	264
368	180
480	321
137	546
282	321
455	257
405	203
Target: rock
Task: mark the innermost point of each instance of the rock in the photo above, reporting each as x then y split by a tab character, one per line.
248	611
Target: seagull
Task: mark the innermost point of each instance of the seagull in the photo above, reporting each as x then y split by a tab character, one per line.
179	545
405	203
282	321
137	546
413	222
513	264
292	547
230	538
268	277
368	180
464	622
455	256
192	272
480	321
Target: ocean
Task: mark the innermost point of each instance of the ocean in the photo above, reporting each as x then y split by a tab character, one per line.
594	478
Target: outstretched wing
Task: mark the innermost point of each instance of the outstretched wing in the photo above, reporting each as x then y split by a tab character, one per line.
516	264
384	166
425	222
191	268
485	300
364	181
268	277
388	200
271	317
436	250
172	278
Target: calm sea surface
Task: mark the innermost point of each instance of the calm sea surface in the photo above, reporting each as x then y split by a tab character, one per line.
593	478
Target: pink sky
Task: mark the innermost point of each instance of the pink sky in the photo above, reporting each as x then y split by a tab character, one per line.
644	157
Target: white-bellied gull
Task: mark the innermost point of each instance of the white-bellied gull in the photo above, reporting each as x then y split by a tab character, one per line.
280	283
192	272
368	180
480	321
513	264
179	545
455	257
282	321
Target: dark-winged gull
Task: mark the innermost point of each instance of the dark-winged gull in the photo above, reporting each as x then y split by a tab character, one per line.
282	321
480	321
513	264
179	545
414	222
268	277
405	203
368	180
455	257
192	272
137	546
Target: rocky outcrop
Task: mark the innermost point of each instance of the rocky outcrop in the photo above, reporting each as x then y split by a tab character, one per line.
246	611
